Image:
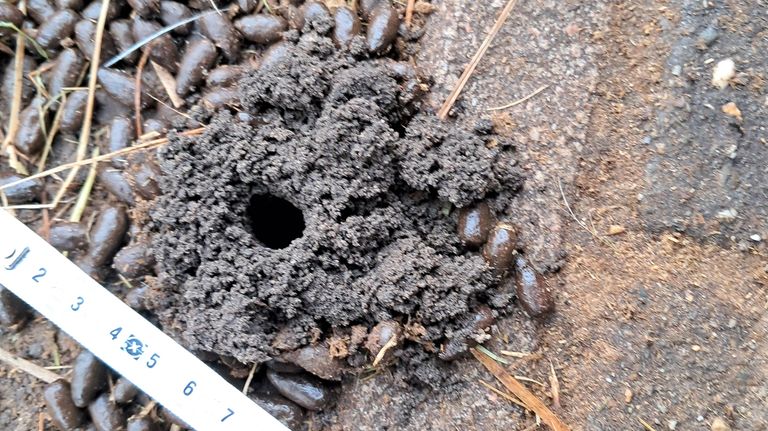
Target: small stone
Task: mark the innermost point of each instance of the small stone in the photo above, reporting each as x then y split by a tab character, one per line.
647	140
306	391
677	70
727	215
724	71
755	237
616	229
696	348
707	37
719	424
672	425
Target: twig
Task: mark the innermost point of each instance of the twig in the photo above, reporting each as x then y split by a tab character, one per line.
28	367
18	77
52	133
146	145
111	62
85	192
148	408
504	394
137	94
521	392
519	101
443	113
409	12
85	132
250	378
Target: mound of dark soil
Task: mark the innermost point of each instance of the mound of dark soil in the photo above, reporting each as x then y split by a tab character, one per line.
327	203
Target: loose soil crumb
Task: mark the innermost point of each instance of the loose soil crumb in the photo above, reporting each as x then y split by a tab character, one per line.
335	135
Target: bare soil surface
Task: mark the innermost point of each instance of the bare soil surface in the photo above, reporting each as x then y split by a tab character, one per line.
662	309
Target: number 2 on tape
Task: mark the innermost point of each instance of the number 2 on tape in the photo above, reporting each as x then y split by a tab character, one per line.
120	337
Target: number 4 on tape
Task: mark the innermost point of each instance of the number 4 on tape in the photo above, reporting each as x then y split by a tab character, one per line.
120	337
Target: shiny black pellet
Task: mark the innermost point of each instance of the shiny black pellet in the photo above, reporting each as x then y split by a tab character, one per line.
107	234
262	28
199	56
89	377
61	409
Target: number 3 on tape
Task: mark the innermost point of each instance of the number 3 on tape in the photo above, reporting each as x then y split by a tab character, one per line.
46	280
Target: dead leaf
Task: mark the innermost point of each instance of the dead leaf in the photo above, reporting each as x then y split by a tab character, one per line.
732	110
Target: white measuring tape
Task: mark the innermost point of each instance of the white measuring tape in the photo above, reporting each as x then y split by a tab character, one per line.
46	280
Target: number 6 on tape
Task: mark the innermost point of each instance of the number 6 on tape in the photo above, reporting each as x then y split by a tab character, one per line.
46	280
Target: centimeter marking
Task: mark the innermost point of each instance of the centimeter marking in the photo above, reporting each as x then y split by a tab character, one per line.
46	280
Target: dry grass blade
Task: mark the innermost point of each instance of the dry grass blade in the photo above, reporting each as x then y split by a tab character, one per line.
443	113
519	101
85	191
28	367
137	94
52	133
146	145
85	132
505	395
492	355
646	425
169	84
250	378
521	392
38	48
13	161
518	355
18	77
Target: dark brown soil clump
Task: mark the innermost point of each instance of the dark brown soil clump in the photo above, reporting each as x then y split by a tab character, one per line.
334	137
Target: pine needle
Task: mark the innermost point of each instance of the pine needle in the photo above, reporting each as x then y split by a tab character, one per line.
443	113
519	101
520	391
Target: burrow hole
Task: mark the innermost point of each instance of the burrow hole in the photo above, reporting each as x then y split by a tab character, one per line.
275	222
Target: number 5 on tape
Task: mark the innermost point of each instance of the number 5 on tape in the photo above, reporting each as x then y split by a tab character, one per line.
57	288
